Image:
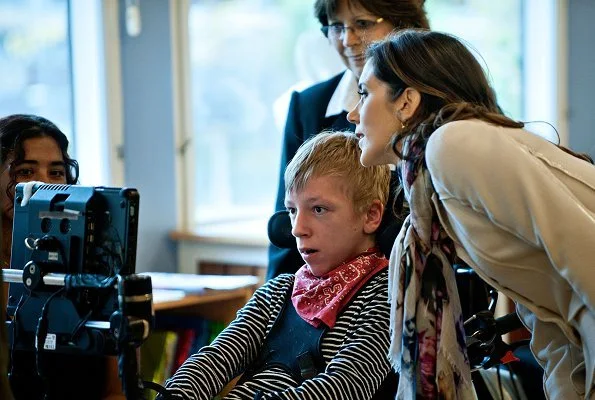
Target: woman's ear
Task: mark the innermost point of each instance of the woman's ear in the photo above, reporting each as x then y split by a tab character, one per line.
408	103
373	217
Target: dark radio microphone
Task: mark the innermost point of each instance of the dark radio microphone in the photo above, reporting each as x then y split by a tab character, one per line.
508	323
485	347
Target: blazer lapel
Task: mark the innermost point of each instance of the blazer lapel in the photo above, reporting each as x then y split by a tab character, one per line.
339	122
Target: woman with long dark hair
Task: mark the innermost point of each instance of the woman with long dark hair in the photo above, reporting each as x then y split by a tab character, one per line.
516	208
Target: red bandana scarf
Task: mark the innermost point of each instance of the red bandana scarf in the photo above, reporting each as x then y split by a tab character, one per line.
320	299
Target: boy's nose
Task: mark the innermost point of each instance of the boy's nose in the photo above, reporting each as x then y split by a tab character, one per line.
299	226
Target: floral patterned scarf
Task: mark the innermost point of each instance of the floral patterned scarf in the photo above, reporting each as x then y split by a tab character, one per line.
320	299
427	336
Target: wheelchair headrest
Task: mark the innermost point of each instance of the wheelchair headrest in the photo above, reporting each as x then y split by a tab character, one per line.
279	231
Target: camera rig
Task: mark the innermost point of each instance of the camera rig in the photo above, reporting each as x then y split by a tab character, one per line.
73	287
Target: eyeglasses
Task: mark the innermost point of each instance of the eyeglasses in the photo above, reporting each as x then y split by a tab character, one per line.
360	27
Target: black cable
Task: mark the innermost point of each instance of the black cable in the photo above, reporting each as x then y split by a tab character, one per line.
21	302
513	379
78	326
116	251
499	382
162	392
100	300
40	335
105	257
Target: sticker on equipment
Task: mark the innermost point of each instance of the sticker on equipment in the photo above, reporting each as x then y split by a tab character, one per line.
50	342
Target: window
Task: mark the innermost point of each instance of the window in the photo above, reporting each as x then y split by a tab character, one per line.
517	41
35	73
247	55
498	45
52	57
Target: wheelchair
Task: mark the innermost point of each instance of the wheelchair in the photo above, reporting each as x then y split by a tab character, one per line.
489	355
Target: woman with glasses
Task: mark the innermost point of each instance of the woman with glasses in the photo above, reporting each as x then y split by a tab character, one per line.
350	26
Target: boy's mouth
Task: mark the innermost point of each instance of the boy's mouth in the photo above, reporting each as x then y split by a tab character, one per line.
307	251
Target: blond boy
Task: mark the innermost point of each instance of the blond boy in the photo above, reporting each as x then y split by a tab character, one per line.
323	332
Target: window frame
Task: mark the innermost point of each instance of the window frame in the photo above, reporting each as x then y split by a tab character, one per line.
97	91
545	68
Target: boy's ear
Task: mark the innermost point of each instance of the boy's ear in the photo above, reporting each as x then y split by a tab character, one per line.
373	217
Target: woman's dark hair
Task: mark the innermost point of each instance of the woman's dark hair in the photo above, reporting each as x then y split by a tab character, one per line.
15	129
400	13
452	83
450	80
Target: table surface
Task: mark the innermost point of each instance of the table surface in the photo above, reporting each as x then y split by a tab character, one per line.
215	305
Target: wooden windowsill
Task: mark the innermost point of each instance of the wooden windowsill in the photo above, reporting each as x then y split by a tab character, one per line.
246	232
236	247
230	239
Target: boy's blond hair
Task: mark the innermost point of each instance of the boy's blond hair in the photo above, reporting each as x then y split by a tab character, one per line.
333	153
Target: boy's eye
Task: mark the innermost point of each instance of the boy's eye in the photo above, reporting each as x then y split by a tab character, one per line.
319	210
291	210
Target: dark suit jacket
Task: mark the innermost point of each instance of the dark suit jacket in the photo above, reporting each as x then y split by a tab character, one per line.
305	119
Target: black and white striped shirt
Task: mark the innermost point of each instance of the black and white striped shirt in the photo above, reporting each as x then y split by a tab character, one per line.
355	351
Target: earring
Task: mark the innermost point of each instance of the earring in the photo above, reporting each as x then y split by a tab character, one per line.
403	123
